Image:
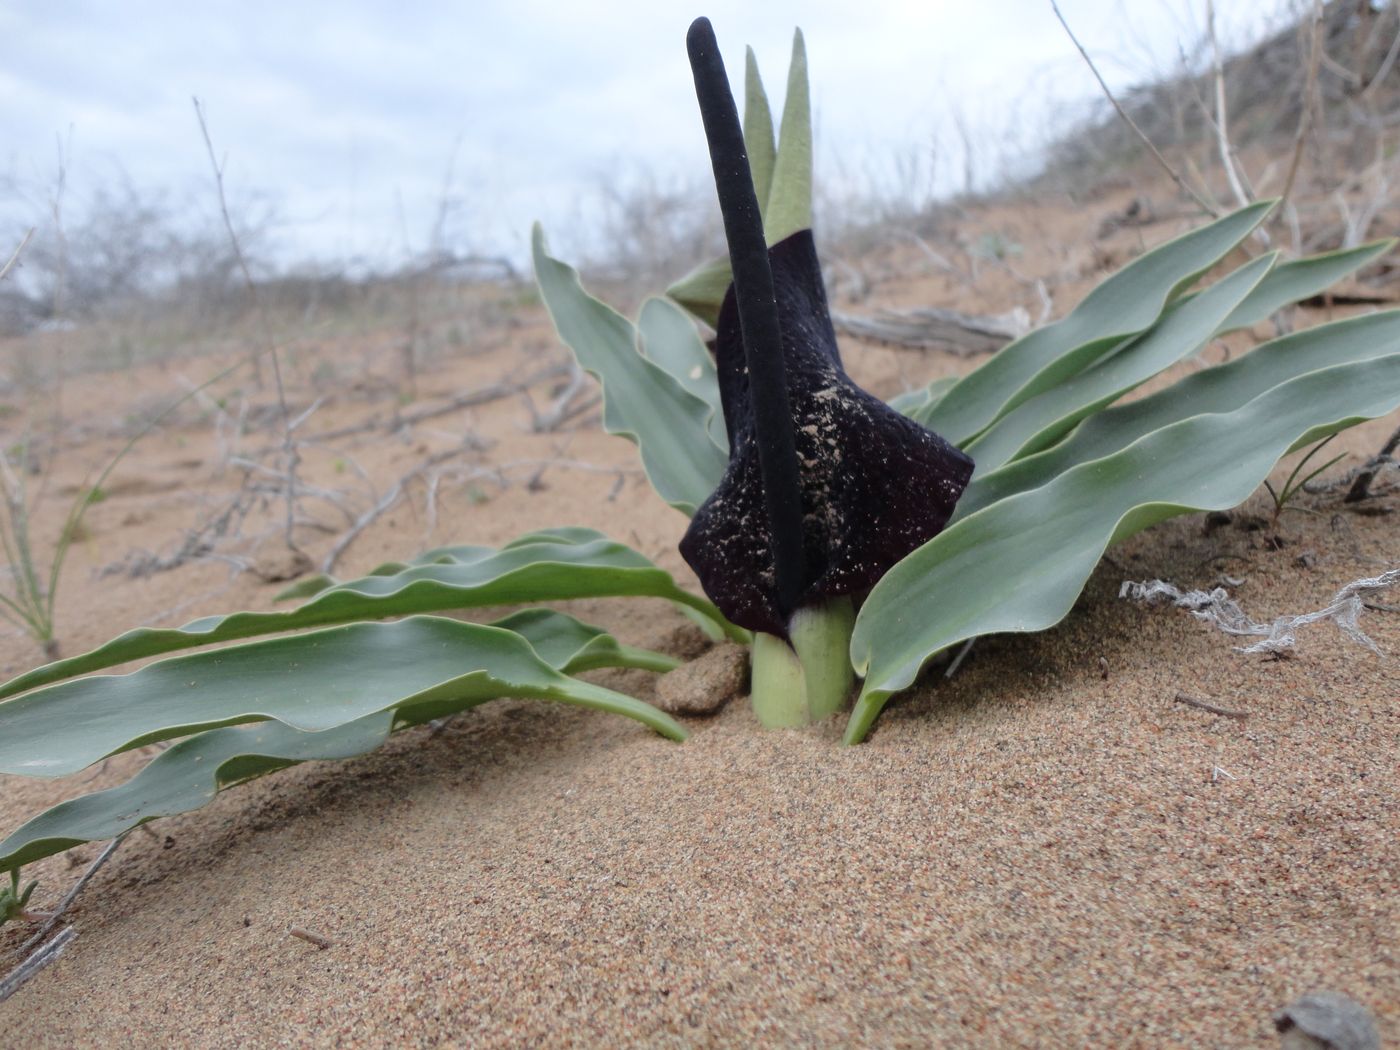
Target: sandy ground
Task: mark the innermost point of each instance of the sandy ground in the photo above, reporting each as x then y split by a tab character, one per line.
1045	850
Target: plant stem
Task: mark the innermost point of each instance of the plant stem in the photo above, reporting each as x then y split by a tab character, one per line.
802	683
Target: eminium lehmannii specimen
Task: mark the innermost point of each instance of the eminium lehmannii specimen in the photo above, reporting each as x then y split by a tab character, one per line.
804	493
827	487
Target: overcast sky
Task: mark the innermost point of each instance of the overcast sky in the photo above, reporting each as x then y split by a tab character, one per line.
337	112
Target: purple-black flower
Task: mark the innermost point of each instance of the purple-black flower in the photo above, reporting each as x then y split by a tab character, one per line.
827	486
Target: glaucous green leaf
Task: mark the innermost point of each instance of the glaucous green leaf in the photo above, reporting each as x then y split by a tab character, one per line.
669	425
1121	307
758	131
667	337
782	177
790	198
184	777
914	403
1290	282
571	646
1221	388
538	571
311	682
1178	334
306	587
702	290
188	774
1019	564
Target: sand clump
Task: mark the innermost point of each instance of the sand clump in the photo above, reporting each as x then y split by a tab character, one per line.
705	684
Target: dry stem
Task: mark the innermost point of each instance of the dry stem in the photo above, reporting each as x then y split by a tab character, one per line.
289	449
1156	154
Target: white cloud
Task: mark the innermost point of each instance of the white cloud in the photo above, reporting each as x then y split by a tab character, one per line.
335	108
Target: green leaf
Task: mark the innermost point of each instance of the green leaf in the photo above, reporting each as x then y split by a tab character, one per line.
1019	564
1118	309
703	289
790	199
1182	331
185	777
1218	389
1290	282
311	682
758	131
782	177
305	588
190	773
916	403
640	400
537	571
667	337
572	646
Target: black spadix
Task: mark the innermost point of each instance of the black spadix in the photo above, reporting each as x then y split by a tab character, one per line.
827	487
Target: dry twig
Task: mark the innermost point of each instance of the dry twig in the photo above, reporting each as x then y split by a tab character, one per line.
14	257
390	498
20	975
1228	160
72	895
311	937
1305	107
290	454
1225	712
1361	487
934	328
1156	153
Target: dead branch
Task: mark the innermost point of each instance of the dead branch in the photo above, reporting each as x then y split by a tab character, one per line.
1156	154
1361	487
1305	107
1384	69
311	937
1228	160
389	499
20	975
14	257
1225	712
485	395
291	457
561	409
72	895
934	328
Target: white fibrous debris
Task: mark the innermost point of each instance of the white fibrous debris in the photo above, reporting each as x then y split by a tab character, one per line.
1218	608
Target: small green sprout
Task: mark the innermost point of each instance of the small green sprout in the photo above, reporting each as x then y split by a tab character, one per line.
13	900
1294	485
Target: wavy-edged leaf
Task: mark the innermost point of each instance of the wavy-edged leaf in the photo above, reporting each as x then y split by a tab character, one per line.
1218	389
669	425
185	777
190	773
534	572
667	336
1300	279
1019	564
1118	309
571	646
305	588
1179	333
311	682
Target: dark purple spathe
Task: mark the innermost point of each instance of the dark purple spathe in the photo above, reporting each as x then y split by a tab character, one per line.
875	485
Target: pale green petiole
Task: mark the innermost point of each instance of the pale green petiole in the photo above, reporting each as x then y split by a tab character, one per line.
802	683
